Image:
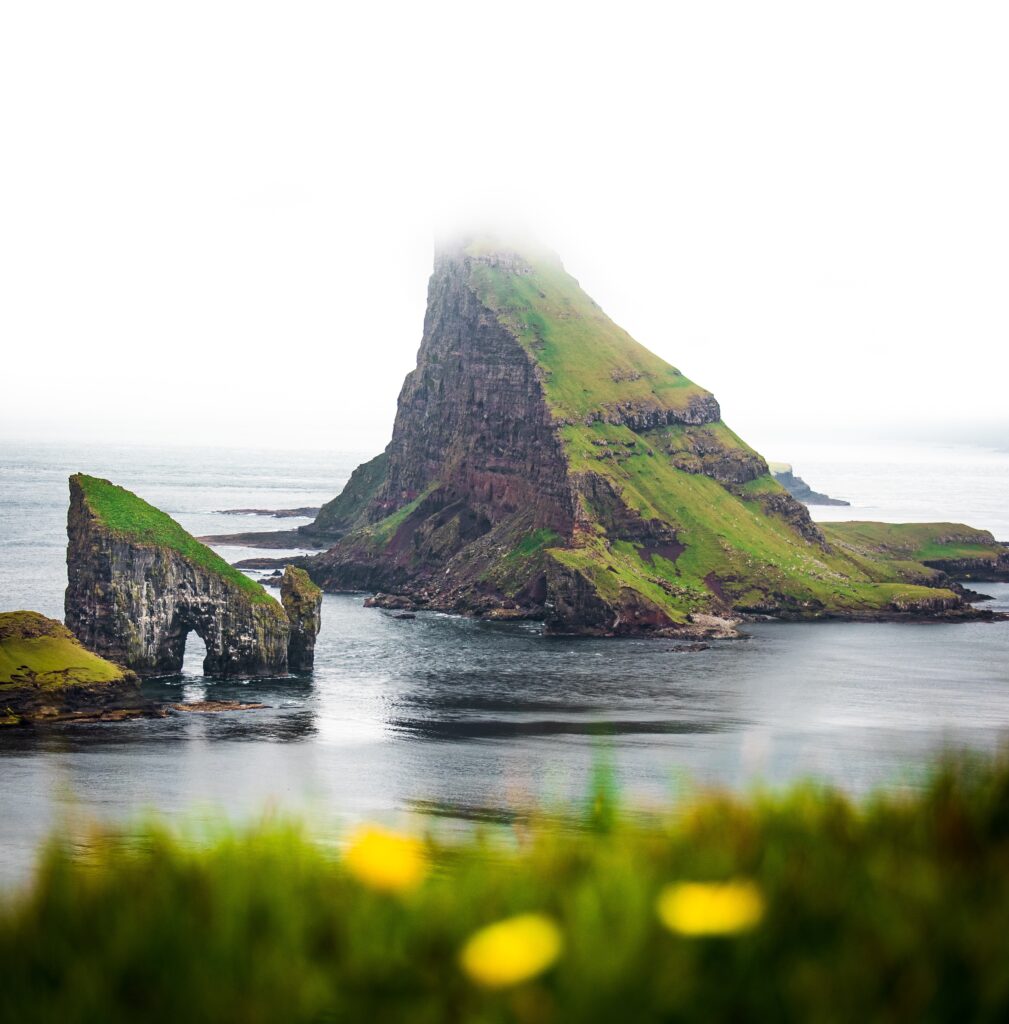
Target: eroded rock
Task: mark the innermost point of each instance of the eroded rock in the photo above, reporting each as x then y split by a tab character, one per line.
138	584
302	601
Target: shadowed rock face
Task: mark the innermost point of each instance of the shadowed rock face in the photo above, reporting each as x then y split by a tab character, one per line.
133	598
302	601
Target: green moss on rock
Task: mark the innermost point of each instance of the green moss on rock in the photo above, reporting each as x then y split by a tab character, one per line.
41	652
125	513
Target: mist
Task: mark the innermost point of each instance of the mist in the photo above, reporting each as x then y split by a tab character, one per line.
218	223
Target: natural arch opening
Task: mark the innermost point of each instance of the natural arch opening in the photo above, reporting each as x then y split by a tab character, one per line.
194	654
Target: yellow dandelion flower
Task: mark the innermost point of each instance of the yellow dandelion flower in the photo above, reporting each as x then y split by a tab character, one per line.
511	951
386	860
710	908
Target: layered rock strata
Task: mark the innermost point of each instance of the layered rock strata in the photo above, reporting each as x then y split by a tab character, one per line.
544	464
138	584
302	601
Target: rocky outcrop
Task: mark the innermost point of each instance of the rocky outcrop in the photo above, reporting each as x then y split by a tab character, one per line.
46	675
302	601
138	584
338	517
798	487
544	464
974	570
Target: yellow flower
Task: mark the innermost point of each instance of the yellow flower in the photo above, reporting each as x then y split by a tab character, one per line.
511	951
386	860
710	908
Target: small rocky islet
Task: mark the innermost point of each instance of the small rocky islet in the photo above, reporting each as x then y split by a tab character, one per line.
543	465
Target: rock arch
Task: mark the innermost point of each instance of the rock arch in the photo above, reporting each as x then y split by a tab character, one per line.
138	584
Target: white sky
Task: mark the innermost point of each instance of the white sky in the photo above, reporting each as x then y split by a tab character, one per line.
217	219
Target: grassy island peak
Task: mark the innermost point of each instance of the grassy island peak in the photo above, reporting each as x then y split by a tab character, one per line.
127	514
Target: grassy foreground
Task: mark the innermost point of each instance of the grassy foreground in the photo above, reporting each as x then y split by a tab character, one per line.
798	907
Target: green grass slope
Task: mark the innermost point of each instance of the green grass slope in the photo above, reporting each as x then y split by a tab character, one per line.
796	907
690	476
124	513
589	362
38	651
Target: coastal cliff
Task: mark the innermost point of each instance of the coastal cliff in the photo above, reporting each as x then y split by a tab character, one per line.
138	584
544	464
799	489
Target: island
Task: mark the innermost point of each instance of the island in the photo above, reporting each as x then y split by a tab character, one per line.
138	584
545	465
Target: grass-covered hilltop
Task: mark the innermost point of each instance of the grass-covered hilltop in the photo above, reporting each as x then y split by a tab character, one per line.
545	464
46	673
138	584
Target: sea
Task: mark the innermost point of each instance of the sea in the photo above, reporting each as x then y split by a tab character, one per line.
451	723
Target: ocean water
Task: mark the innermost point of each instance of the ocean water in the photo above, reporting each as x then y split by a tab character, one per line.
460	720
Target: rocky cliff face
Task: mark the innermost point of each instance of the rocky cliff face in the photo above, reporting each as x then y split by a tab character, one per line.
138	584
302	601
798	487
545	464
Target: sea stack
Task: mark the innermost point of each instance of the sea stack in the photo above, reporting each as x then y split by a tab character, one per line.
302	601
138	584
544	464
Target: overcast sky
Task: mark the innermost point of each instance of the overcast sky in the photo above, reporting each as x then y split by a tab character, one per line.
217	219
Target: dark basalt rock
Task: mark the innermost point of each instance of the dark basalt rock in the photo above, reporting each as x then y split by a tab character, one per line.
302	601
133	598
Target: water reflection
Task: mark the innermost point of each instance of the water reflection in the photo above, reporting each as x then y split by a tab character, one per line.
475	721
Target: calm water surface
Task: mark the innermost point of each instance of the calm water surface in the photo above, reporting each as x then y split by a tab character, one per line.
469	719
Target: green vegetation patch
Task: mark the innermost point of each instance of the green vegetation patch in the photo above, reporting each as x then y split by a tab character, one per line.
917	541
35	650
344	512
124	513
588	361
532	543
800	906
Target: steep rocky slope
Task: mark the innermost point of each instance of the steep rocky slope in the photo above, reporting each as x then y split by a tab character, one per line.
798	488
138	584
545	464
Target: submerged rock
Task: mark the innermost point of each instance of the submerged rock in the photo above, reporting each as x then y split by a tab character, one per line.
138	584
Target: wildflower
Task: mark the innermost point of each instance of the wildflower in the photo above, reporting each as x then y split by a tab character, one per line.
710	908
386	860
511	951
